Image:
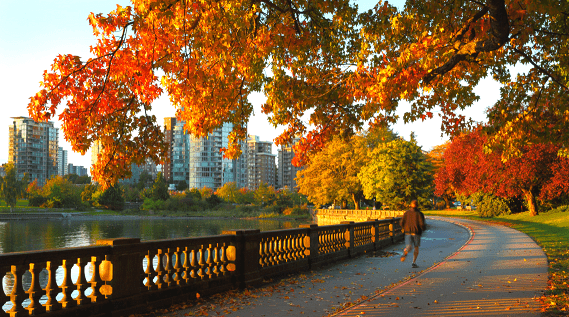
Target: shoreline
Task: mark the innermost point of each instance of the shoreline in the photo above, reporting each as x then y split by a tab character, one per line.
84	216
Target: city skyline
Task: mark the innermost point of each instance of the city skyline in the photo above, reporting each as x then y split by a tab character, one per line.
33	34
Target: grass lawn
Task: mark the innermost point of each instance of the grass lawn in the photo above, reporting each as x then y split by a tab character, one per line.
551	232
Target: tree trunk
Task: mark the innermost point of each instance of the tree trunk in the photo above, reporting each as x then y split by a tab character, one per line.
530	199
447	202
356	200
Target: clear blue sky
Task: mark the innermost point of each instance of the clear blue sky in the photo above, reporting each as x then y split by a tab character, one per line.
34	32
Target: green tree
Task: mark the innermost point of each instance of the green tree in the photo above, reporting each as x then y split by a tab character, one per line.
182	185
397	172
144	180
160	189
10	188
111	198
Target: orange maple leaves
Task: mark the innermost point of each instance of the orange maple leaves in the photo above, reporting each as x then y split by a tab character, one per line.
321	59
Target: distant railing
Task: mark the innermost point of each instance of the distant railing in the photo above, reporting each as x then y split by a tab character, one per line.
125	276
333	216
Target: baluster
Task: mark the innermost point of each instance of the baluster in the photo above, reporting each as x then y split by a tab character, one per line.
267	252
186	266
95	280
280	249
4	298
51	289
168	268
81	283
209	262
216	260
294	248
149	271
67	285
201	263
289	250
193	265
178	268
35	291
18	295
223	260
159	270
263	253
270	253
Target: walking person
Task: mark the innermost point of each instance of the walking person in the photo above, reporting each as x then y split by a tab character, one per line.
413	224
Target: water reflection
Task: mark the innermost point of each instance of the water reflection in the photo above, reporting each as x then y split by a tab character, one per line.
26	235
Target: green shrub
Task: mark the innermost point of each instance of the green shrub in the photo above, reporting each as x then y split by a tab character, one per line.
154	205
564	208
488	205
36	201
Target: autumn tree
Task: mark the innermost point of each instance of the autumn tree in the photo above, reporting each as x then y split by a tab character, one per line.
397	172
436	157
228	192
537	172
325	59
331	174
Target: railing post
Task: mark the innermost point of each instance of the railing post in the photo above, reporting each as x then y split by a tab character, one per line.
126	266
394	229
247	248
375	233
311	243
349	236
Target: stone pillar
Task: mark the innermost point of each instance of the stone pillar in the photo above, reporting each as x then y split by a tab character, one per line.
247	247
125	268
349	236
311	244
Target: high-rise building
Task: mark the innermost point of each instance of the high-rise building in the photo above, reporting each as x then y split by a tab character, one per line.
62	162
208	168
177	167
261	165
78	170
287	171
199	161
34	148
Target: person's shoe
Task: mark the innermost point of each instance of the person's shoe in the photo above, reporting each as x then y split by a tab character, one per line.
414	266
404	256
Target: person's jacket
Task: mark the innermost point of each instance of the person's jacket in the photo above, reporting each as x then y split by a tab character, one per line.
413	221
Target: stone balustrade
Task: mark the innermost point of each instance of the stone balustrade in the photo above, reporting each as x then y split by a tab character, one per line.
123	276
333	216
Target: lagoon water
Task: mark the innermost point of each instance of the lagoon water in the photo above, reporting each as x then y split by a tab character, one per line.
28	235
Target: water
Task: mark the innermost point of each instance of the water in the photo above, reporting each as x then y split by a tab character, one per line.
28	235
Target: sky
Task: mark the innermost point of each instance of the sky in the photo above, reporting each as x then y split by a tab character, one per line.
34	32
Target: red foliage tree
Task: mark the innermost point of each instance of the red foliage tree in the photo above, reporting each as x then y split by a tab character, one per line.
537	172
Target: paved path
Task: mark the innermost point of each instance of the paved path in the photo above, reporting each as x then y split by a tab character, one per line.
467	268
497	273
